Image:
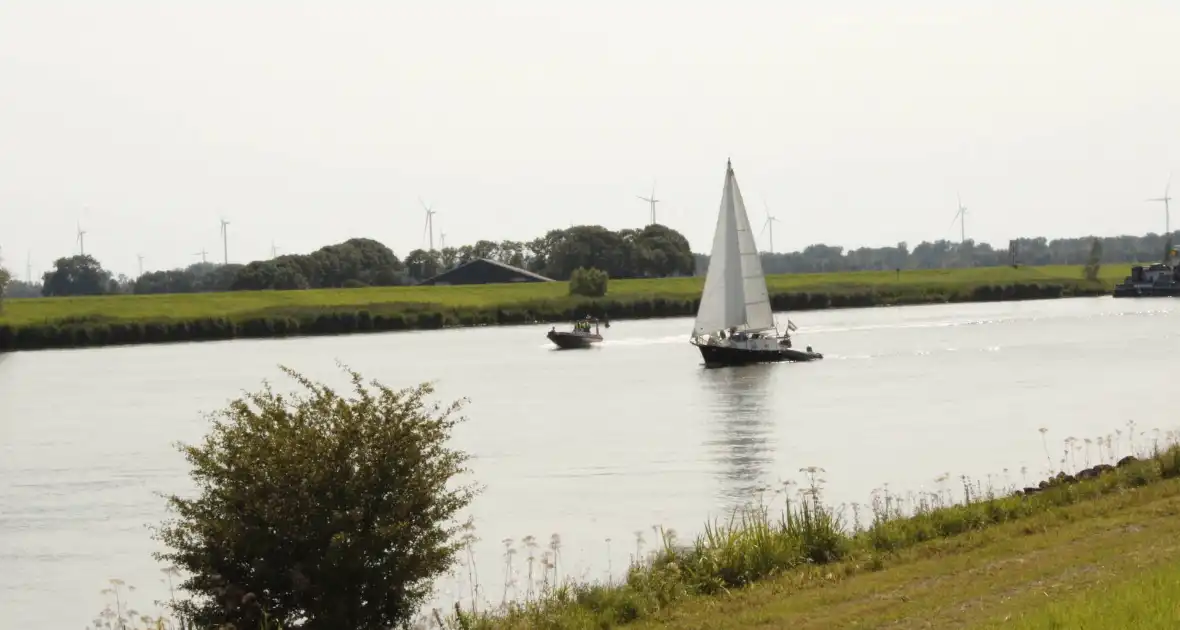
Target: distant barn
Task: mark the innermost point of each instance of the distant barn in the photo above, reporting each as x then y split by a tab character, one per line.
484	271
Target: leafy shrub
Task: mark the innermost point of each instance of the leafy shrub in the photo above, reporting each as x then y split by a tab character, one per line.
323	511
588	282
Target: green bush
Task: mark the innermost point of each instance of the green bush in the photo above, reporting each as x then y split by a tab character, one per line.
322	511
588	282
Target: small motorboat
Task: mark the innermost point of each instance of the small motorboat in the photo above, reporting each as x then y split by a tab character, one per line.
584	334
790	354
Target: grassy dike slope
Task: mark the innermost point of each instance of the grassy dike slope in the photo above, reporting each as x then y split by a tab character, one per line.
1099	553
36	323
1110	564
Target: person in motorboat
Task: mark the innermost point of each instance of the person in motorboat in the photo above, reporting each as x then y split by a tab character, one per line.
583	326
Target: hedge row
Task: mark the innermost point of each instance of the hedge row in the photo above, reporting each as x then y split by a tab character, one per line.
98	331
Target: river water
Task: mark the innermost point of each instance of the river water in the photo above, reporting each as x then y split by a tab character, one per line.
590	445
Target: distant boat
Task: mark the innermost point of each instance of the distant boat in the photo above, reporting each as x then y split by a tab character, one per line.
580	337
1157	280
734	324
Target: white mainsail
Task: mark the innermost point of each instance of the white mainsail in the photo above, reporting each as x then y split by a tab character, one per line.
735	292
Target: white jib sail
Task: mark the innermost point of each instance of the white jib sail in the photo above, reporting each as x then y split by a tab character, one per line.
735	292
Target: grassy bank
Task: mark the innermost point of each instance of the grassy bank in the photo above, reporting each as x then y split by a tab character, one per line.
1105	563
1095	549
30	324
1018	560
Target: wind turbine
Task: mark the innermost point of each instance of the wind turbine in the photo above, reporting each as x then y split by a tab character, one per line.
429	221
769	225
29	268
961	217
202	254
274	252
652	201
81	240
442	240
1167	212
224	241
140	257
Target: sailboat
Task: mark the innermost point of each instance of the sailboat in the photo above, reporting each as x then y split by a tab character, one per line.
734	323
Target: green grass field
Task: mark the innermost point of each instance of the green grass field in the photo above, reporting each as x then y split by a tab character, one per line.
1147	597
245	304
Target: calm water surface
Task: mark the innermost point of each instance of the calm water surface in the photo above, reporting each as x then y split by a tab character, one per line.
591	444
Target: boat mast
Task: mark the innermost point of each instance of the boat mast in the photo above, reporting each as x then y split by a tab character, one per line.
735	292
756	295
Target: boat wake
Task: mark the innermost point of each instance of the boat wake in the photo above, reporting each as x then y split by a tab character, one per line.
648	341
954	323
807	332
908	353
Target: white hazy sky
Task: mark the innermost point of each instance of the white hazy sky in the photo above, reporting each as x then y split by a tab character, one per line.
309	122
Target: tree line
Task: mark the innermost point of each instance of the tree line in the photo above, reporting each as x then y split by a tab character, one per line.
944	254
654	251
651	252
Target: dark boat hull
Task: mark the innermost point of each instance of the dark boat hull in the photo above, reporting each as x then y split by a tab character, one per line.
570	341
721	356
1165	290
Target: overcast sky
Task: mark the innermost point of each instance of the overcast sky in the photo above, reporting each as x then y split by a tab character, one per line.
310	122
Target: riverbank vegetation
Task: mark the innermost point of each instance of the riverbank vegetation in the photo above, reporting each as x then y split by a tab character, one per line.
305	513
1093	550
30	324
917	557
650	252
1069	566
